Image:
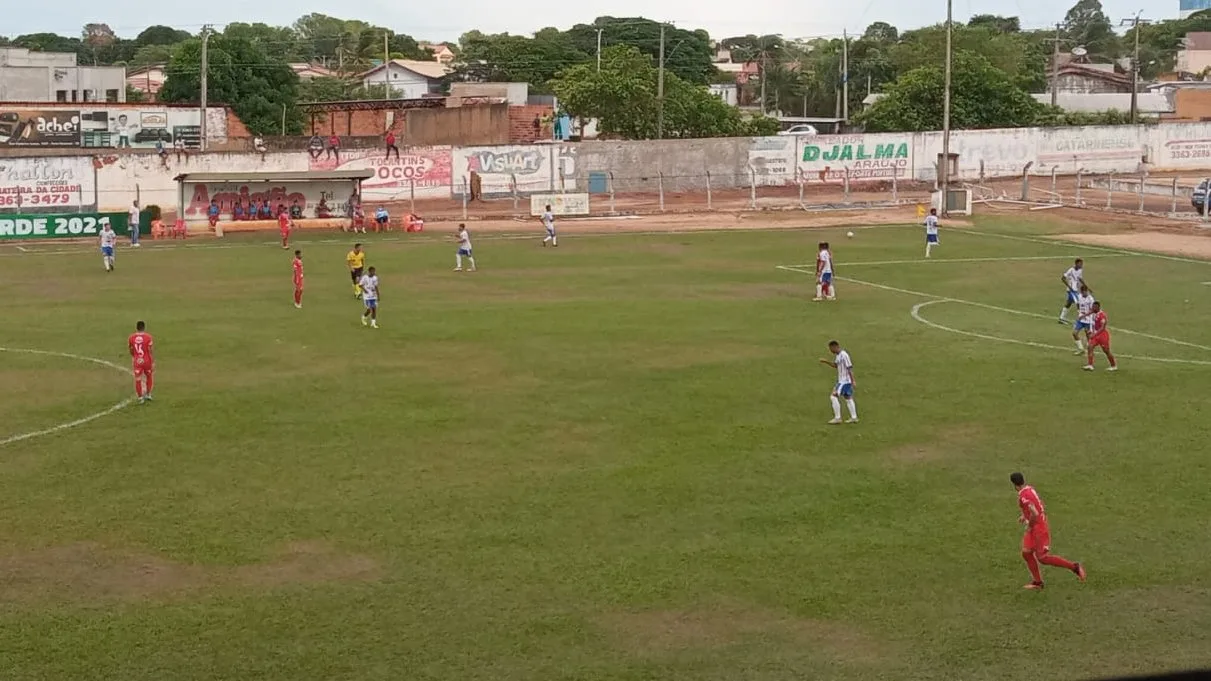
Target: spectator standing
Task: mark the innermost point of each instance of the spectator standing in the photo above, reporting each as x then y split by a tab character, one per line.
334	147
133	222
390	140
162	152
179	146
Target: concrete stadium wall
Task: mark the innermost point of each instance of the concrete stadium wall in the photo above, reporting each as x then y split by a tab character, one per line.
442	171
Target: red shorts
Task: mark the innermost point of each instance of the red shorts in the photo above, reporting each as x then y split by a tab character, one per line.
1037	539
1101	340
142	369
214	220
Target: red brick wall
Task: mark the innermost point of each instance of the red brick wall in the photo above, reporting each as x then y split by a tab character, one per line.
354	123
521	123
236	127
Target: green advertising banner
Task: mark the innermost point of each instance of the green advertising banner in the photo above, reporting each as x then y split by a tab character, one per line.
64	226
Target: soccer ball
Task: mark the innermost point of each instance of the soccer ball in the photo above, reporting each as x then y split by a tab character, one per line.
849	234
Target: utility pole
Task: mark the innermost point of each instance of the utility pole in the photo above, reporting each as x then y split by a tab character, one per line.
386	50
660	90
599	50
762	82
203	77
944	166
1135	64
844	77
1055	67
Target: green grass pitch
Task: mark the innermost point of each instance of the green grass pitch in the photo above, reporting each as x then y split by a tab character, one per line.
605	462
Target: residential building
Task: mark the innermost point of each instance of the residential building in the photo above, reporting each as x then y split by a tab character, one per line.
307	71
728	92
1082	78
1195	55
515	94
442	53
147	79
1187	7
407	79
27	76
742	73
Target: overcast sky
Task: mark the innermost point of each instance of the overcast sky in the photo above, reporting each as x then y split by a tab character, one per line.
447	20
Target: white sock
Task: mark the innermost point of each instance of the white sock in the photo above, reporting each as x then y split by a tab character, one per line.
472	261
928	248
832	289
853	408
1078	344
554	241
547	239
458	259
836	407
819	290
1064	314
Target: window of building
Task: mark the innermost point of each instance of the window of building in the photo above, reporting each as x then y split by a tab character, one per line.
86	95
111	95
60	95
74	95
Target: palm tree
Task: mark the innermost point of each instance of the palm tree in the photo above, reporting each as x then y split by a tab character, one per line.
766	51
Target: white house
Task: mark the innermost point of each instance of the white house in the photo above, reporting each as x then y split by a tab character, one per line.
28	76
407	79
728	92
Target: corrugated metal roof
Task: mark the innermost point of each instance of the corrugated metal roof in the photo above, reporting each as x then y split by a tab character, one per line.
289	176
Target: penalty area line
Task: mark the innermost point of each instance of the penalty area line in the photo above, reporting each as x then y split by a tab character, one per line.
931	261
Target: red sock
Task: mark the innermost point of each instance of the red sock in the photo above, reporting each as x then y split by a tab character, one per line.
138	387
298	296
1056	561
147	381
1033	564
828	289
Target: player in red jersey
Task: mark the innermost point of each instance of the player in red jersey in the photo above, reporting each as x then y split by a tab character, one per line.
298	278
1099	337
140	345
1036	543
284	227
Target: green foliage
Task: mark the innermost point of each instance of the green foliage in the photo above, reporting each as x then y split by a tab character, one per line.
242	75
340	90
997	23
134	95
622	96
1087	25
513	58
160	35
1057	117
149	55
982	96
688	54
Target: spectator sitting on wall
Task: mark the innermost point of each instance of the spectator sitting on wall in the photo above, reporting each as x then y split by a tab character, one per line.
296	211
381	219
163	153
334	147
179	146
237	211
258	145
316	146
213	213
390	140
322	211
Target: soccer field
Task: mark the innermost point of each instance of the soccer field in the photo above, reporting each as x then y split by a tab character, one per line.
608	461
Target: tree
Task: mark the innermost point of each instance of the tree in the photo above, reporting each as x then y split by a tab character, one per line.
688	54
160	35
881	32
259	88
1013	53
622	97
150	55
982	96
134	95
1086	25
276	41
997	23
513	58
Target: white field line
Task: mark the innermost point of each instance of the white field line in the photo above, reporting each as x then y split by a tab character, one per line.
996	308
71	424
1071	244
916	314
930	261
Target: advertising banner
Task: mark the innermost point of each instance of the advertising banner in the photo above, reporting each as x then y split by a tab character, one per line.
868	158
497	167
561	204
423	170
46	184
773	159
73	226
39	128
320	199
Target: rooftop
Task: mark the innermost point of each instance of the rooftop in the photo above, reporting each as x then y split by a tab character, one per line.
428	69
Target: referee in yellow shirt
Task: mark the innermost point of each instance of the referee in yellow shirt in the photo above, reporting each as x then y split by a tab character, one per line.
356	259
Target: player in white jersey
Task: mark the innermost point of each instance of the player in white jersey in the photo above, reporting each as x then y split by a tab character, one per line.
1072	277
1084	316
931	231
464	248
824	274
548	221
108	239
845	383
369	286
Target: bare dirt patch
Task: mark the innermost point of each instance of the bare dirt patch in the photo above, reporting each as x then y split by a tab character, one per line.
1188	245
662	632
939	446
89	572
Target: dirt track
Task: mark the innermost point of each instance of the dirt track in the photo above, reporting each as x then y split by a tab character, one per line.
1191	246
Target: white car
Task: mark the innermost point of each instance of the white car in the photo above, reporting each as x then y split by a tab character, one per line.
801	129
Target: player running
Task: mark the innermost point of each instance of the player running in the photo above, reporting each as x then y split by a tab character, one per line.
1099	337
1084	316
464	248
109	238
1036	543
1073	278
824	274
284	228
356	260
845	383
931	231
369	286
548	221
297	265
140	345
